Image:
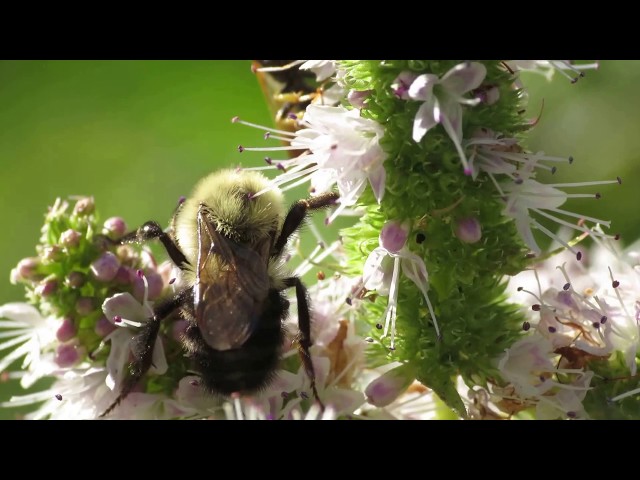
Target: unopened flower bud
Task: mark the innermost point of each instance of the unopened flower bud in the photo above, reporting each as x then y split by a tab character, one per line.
84	305
115	227
70	238
52	253
126	253
105	267
393	236
468	230
76	279
68	355
84	206
154	282
47	288
124	275
358	98
401	84
67	330
487	94
178	329
386	388
104	327
27	268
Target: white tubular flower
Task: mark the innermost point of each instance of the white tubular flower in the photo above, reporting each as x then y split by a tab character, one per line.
340	147
529	365
35	335
126	312
495	154
593	311
548	67
323	69
443	100
528	196
381	272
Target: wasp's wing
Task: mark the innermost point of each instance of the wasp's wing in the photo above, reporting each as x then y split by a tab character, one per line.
232	285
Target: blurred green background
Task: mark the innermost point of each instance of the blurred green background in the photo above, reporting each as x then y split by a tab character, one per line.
138	134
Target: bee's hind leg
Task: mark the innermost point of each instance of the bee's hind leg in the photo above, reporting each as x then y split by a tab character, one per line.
143	344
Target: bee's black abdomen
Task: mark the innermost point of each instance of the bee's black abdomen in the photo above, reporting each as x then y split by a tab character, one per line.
246	369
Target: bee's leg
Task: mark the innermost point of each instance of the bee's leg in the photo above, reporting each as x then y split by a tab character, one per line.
304	338
143	344
151	230
297	214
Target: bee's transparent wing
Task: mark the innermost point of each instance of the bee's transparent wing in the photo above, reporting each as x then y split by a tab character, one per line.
232	285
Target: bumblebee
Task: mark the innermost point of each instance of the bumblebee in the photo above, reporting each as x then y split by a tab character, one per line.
228	243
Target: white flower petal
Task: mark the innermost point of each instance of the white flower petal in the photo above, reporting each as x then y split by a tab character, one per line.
424	119
422	87
124	305
374	272
158	360
377	179
21	314
464	77
118	356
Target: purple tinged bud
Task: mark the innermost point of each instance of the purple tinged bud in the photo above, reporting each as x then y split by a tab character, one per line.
52	253
115	227
105	267
468	230
70	238
488	94
401	84
154	280
386	388
123	276
67	330
178	329
358	98
27	267
67	355
84	206
125	253
104	327
47	288
85	305
76	279
393	236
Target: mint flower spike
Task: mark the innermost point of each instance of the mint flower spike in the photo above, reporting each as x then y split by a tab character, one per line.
443	101
529	196
383	276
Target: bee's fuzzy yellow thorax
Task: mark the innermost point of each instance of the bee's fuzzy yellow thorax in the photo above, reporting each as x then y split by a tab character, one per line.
227	195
